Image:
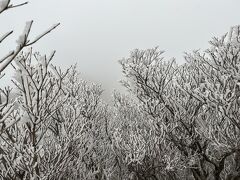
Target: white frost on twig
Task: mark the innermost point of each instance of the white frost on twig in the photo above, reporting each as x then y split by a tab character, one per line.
22	38
4	4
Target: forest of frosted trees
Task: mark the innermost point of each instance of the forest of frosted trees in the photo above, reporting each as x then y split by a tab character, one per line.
174	122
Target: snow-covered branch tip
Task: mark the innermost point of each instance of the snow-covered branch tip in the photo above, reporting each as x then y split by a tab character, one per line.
43	34
5	36
5	4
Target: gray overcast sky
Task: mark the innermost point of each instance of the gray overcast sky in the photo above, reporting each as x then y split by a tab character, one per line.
97	33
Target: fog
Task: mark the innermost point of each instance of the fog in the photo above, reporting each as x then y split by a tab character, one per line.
95	34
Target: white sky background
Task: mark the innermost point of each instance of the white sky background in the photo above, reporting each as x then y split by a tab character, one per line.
95	34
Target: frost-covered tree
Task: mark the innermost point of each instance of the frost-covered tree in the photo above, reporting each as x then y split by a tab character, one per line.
140	146
23	41
60	125
81	132
218	90
39	96
197	103
9	112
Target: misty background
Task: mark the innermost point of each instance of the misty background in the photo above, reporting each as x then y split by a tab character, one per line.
95	34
